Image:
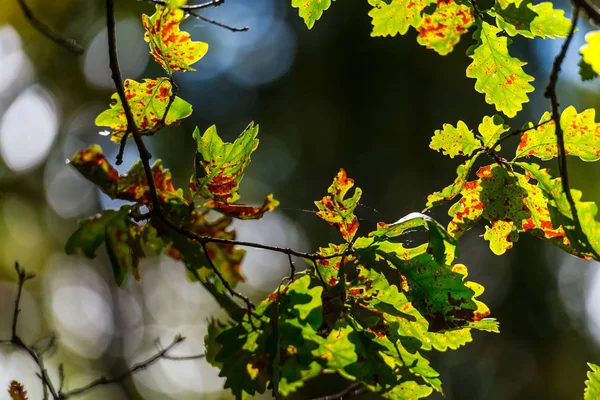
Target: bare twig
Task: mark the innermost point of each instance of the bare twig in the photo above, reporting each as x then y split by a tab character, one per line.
210	239
18	342
136	368
521	131
232	292
212	3
131	125
217	23
353	390
66	43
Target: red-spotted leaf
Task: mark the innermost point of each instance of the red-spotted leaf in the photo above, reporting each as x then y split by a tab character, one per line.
148	102
442	30
580	131
453	141
499	76
391	18
220	166
329	269
133	186
311	10
512	205
337	210
242	211
172	48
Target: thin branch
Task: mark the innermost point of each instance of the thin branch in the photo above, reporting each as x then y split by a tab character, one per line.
136	368
185	358
209	239
187	7
23	277
18	343
292	268
217	23
590	9
232	292
353	390
131	125
66	43
521	131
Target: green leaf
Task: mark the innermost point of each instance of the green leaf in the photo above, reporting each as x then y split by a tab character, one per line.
442	30
132	186
592	385
311	10
491	129
580	131
453	141
506	3
591	51
441	244
172	48
397	16
499	76
528	20
329	268
122	238
220	166
586	71
148	102
450	192
336	210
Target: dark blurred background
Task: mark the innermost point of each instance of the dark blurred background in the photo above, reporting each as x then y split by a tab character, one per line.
327	98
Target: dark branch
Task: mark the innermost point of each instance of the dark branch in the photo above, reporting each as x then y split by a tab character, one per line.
187	7
131	125
590	9
217	23
66	43
521	131
18	343
232	292
353	390
209	239
136	368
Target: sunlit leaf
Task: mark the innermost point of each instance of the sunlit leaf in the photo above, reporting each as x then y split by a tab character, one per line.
311	10
499	76
133	186
591	50
397	16
329	268
453	141
592	384
220	166
529	20
148	102
580	131
337	210
442	30
491	129
506	3
172	48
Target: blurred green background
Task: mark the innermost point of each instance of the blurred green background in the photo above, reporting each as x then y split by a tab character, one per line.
327	98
